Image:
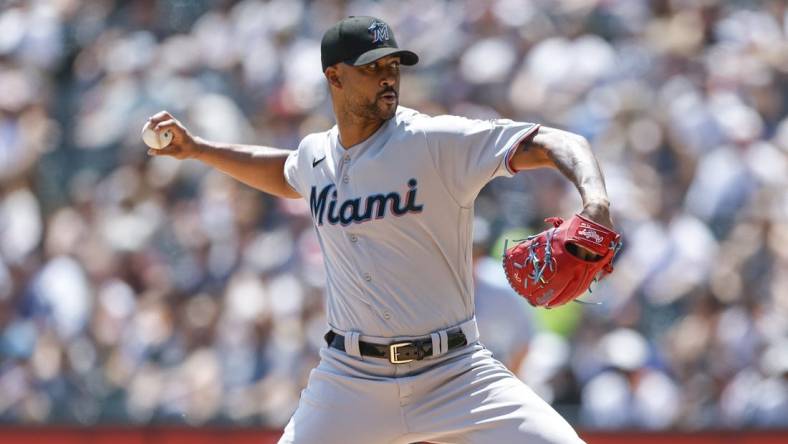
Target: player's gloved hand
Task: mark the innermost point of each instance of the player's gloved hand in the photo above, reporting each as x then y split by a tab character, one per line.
595	212
559	264
183	144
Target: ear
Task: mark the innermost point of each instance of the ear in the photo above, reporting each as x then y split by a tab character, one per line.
332	75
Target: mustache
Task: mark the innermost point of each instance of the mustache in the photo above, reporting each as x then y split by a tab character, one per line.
388	89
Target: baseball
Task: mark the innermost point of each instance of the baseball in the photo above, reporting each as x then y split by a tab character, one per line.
153	140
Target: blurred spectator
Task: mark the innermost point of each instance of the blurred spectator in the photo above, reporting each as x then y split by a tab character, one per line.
136	290
505	319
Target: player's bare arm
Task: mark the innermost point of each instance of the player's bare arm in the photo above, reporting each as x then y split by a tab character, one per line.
260	167
571	155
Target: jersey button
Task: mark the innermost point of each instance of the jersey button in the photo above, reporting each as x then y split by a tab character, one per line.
367	277
345	179
353	238
386	315
347	157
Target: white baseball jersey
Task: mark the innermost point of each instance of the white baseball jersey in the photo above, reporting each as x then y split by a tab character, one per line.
393	216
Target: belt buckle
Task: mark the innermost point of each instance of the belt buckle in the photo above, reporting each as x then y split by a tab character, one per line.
394	353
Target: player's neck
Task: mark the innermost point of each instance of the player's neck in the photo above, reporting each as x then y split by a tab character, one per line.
354	129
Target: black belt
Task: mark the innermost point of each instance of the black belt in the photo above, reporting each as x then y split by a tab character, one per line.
399	352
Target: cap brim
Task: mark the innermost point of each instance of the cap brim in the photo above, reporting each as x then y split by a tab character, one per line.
406	57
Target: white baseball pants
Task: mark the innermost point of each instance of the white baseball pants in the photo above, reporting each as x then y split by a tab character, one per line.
465	396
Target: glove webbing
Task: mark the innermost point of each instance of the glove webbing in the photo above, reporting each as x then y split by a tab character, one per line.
538	274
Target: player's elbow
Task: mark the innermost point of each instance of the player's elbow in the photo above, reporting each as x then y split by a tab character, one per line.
573	140
553	138
562	143
289	193
285	190
548	148
581	142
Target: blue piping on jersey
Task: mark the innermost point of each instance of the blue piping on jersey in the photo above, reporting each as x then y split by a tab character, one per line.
349	211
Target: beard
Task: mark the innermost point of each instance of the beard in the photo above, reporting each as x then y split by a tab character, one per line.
378	108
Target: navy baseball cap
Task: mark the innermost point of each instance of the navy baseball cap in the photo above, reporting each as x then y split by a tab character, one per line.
358	40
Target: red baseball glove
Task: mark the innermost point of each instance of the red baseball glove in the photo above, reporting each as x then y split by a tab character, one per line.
546	268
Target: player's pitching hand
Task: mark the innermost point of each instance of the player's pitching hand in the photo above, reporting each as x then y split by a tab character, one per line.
183	144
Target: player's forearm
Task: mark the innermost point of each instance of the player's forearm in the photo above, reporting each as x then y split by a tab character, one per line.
571	155
574	159
260	167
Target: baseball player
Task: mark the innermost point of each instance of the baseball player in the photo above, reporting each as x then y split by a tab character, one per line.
391	193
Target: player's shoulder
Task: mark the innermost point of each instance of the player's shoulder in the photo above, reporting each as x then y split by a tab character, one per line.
316	139
440	124
408	119
312	146
315	143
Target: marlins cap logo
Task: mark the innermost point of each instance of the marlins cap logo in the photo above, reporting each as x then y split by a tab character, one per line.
379	31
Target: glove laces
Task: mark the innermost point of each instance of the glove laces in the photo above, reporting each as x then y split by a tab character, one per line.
539	267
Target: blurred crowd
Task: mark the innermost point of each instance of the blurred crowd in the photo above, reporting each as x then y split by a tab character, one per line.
147	290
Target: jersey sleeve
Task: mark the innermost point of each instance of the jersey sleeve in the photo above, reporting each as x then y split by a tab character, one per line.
292	171
299	171
469	153
298	164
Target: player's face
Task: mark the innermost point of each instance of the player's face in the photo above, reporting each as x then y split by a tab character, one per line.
372	90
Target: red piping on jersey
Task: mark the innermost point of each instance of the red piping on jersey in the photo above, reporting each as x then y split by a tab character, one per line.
513	149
